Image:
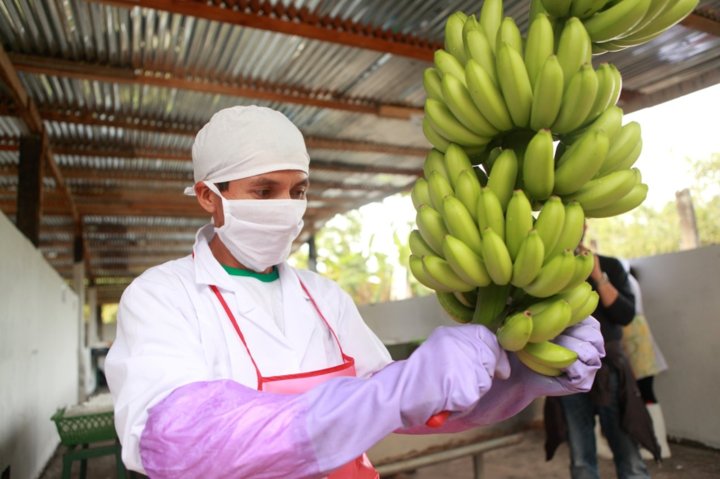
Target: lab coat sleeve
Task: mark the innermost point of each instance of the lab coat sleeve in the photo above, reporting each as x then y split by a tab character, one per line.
221	428
156	350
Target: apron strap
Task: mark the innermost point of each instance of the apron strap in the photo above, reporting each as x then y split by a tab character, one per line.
237	329
312	300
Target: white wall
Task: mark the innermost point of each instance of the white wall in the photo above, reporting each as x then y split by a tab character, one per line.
681	295
38	353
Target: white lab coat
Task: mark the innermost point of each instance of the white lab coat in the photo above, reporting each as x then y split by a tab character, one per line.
172	331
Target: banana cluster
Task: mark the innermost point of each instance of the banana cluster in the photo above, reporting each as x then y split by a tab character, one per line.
614	25
528	142
492	260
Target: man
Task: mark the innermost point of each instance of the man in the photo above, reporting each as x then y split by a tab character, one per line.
614	397
230	363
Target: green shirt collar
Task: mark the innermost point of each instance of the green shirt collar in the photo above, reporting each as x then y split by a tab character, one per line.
264	277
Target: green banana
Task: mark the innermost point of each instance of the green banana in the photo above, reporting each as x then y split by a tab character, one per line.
454	42
509	33
460	223
439	270
557	8
503	176
432	84
417	244
514	84
443	121
674	13
479	49
553	276
605	96
610	122
539	46
656	8
551	354
549	223
616	21
535	366
431	226
628	202
454	308
467	264
449	65
420	194
459	102
548	94
580	162
515	331
624	148
584	264
439	187
435	161
496	257
529	260
455	162
518	222
576	296
606	189
572	229
577	101
467	190
587	308
573	48
491	302
438	141
491	15
550	318
487	96
538	168
586	8
490	213
418	271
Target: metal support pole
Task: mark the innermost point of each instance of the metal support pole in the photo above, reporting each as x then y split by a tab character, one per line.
312	254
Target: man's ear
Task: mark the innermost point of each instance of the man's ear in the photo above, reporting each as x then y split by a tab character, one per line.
206	198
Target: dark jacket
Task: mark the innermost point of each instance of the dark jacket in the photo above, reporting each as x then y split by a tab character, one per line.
634	418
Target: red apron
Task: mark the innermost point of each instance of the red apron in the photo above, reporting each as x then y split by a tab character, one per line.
360	468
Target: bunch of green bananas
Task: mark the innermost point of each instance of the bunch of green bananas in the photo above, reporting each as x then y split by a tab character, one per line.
479	245
614	25
527	143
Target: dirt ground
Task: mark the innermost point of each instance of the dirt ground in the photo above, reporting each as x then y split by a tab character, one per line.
521	461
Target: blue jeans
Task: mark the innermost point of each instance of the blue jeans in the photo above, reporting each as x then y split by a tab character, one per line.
580	416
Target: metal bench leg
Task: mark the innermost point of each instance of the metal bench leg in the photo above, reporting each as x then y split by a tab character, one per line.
67	466
83	465
477	466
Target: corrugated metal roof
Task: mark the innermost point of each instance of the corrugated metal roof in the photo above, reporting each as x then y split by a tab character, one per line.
122	90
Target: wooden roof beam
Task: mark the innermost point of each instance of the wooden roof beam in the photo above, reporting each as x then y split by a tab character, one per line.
29	113
292	21
702	21
269	92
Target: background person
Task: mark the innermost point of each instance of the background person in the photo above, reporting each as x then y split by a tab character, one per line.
614	397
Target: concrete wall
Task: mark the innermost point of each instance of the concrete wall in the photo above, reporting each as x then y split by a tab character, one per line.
38	353
681	295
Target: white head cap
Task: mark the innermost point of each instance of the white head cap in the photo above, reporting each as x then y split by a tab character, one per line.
243	141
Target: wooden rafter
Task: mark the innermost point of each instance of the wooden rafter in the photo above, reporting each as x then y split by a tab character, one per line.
261	91
29	113
702	21
293	21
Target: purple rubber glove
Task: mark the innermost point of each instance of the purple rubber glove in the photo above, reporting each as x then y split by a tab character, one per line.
510	396
223	429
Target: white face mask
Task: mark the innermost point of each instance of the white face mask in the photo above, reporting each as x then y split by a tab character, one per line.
259	233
